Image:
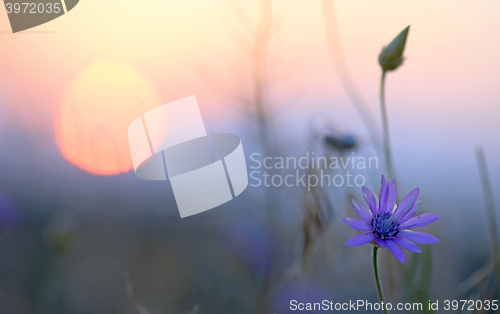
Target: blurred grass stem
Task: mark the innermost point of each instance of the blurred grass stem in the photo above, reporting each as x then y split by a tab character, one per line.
340	65
131	295
377	279
490	208
259	72
266	131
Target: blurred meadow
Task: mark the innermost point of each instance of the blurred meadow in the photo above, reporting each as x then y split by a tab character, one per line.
80	233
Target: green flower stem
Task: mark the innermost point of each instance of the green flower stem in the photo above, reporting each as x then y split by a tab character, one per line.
377	279
385	126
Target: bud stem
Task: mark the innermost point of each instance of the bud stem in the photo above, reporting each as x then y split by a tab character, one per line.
385	126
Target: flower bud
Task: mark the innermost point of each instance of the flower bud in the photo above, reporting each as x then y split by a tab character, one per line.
340	142
391	56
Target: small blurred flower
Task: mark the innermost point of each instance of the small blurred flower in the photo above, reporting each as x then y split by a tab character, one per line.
388	224
247	241
60	232
391	56
340	141
8	216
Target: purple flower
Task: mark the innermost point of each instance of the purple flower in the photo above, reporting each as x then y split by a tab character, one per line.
387	224
8	216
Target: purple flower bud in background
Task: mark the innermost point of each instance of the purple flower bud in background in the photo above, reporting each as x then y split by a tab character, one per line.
246	240
9	217
391	56
341	142
338	140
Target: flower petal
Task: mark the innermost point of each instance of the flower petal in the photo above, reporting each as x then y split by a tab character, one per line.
393	195
419	221
361	239
407	203
381	243
396	250
419	237
363	213
384	195
370	199
376	202
357	224
407	245
415	208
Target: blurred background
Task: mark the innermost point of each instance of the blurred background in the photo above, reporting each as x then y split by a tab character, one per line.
80	233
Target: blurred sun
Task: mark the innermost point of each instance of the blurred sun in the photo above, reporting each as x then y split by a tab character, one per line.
91	125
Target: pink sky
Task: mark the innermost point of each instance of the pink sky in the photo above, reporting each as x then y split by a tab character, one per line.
447	84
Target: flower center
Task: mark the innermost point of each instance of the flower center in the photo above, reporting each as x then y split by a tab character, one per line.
384	227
